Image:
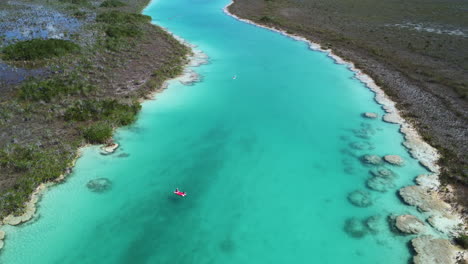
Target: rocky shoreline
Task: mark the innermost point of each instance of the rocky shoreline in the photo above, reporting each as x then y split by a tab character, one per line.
443	217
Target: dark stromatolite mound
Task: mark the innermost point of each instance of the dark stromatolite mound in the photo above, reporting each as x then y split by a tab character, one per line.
99	185
123	155
365	131
362	145
360	198
383	173
380	184
373	223
355	227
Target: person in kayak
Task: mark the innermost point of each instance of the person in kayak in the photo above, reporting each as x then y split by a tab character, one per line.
179	192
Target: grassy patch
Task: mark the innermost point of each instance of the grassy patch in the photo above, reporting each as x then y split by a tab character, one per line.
112	3
98	133
106	110
266	19
49	89
123	30
114	17
79	14
39	49
120	26
75	2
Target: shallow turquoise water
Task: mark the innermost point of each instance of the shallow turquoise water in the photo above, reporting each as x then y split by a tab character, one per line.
265	159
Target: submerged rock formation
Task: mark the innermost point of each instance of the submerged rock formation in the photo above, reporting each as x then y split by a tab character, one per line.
409	224
394	160
99	185
383	173
365	132
380	184
360	198
434	251
371	159
355	228
362	145
373	223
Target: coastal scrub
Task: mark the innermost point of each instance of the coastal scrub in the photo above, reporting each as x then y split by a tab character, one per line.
37	49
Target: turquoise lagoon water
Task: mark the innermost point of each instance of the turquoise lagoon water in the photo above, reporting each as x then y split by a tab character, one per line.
265	159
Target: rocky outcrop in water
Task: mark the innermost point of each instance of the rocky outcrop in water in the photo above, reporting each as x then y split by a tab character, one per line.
370	115
430	181
2	237
99	185
392	118
423	199
409	224
446	223
434	251
109	148
394	160
371	159
360	198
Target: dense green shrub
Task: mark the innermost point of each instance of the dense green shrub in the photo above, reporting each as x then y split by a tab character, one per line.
79	14
98	133
121	25
46	90
39	49
113	3
114	17
17	158
462	240
75	2
266	19
123	30
108	110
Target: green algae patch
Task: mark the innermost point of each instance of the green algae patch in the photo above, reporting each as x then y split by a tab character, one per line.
38	49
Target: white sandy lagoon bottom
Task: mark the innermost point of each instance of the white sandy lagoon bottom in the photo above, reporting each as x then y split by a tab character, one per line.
268	160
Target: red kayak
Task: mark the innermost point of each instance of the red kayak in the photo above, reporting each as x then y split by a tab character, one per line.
180	193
